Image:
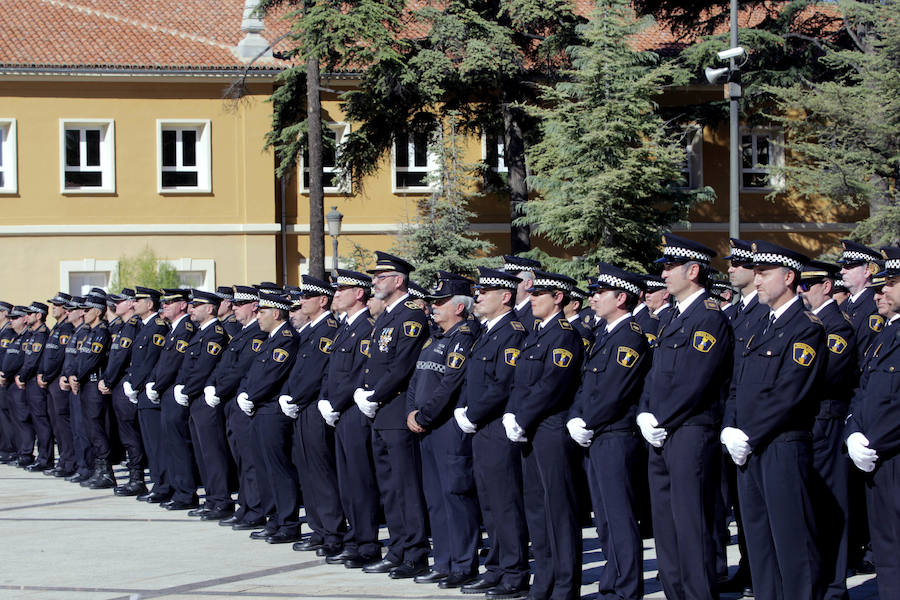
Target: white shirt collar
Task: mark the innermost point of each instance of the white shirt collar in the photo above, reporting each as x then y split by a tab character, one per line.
283	323
548	319
781	309
178	320
639	308
661	308
396	302
149	318
824	304
894	318
522	304
249	324
208	323
488	325
351	318
683	306
611	326
855	297
745	300
325	314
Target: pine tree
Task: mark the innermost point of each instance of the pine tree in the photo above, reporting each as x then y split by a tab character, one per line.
607	169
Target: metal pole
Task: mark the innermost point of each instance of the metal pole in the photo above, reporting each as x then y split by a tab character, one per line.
734	189
334	255
284	280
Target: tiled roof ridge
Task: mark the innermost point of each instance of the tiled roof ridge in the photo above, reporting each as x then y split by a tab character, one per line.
134	22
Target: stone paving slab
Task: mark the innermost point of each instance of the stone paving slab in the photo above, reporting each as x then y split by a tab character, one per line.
62	541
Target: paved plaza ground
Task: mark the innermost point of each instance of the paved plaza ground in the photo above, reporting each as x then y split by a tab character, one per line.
61	541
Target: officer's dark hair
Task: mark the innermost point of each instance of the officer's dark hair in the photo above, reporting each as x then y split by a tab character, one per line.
631	300
704	275
796	283
512	299
282	314
154	304
42	317
571	300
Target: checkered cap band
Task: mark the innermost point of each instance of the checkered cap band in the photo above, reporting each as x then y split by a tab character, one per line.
308	288
766	258
17	311
892	264
40	308
95	302
857	256
741	254
553	283
514	268
225	296
245	297
839	283
347	281
686	254
497	282
618	283
654	285
270	303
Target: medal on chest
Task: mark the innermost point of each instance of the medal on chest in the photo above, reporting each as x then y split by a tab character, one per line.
384	340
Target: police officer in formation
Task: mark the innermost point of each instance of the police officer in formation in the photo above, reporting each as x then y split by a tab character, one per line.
486	407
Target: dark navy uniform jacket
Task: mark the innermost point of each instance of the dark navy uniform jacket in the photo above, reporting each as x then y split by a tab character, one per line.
875	410
145	350
440	370
270	369
91	359
546	376
774	389
172	355
692	364
349	353
648	322
33	349
236	360
203	352
14	357
612	379
55	351
73	348
120	351
232	325
840	375
314	346
585	330
865	319
490	370
743	322
526	317
397	338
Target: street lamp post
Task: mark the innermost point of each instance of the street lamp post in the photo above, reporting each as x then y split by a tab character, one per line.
333	219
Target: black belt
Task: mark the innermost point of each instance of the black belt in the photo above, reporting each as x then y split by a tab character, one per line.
793	436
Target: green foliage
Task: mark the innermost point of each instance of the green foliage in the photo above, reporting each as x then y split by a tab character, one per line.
607	168
844	133
440	237
145	269
359	258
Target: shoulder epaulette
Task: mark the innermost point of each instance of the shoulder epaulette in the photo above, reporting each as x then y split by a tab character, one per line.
847	317
412	305
711	304
286	332
219	329
464	329
812	317
103	325
133	320
517	326
655	317
635	327
189	326
564	323
371	320
331	323
160	321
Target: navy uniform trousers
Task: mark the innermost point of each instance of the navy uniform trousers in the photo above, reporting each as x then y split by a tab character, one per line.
356	481
94	406
883	499
314	447
36	397
58	402
129	430
84	451
207	428
254	494
21	420
830	486
449	487
273	432
179	452
149	419
7	429
498	477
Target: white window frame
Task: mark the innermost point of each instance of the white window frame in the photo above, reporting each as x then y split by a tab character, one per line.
342	129
431	167
204	155
8	151
85	265
776	157
107	156
501	151
692	144
206	265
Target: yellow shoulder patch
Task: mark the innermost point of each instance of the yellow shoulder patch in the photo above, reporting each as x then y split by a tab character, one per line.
280	355
876	323
564	323
412	328
803	354
412	305
96	347
517	325
325	345
636	328
703	341
181	345
562	357
213	349
364	347
836	343
331	323
255	345
286	332
812	317
160	321
370	320
464	329
650	338
711	304
455	360
189	325
159	339
627	357
510	355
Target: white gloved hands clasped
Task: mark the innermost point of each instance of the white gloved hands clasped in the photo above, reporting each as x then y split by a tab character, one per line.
130	392
735	442
152	394
862	456
180	397
463	421
245	404
328	413
290	410
654	435
514	431
209	396
579	432
361	397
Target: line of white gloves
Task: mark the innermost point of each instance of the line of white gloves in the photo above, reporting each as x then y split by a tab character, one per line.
859	452
514	431
366	407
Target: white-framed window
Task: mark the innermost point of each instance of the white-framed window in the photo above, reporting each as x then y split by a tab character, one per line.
197	273
8	171
692	165
331	179
88	158
761	149
493	152
77	277
414	161
184	156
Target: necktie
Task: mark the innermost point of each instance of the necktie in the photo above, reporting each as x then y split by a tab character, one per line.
676	313
769	323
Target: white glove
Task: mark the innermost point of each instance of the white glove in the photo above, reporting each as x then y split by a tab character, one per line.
330	415
245	404
463	421
654	435
209	395
578	432
735	442
361	397
152	394
513	431
130	392
180	397
290	410
862	456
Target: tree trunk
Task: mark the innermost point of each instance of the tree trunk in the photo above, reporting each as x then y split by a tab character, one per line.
316	191
514	157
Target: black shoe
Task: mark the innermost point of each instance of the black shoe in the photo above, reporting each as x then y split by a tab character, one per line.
23	462
431	576
283	538
63	473
457	580
104	482
409	569
178	505
229	520
479	586
338	558
199	511
217	514
360	562
37	467
132	488
51	472
735	584
261	534
504	592
78	477
246	525
153	498
307	545
748	592
382	566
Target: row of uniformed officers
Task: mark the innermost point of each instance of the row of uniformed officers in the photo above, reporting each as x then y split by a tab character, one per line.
485	404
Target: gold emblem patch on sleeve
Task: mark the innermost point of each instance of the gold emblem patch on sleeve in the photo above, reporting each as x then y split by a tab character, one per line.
325	345
803	354
455	360
510	355
836	343
412	328
255	345
280	355
181	345
364	347
562	357
96	347
627	357
703	341
876	323
213	348
159	339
